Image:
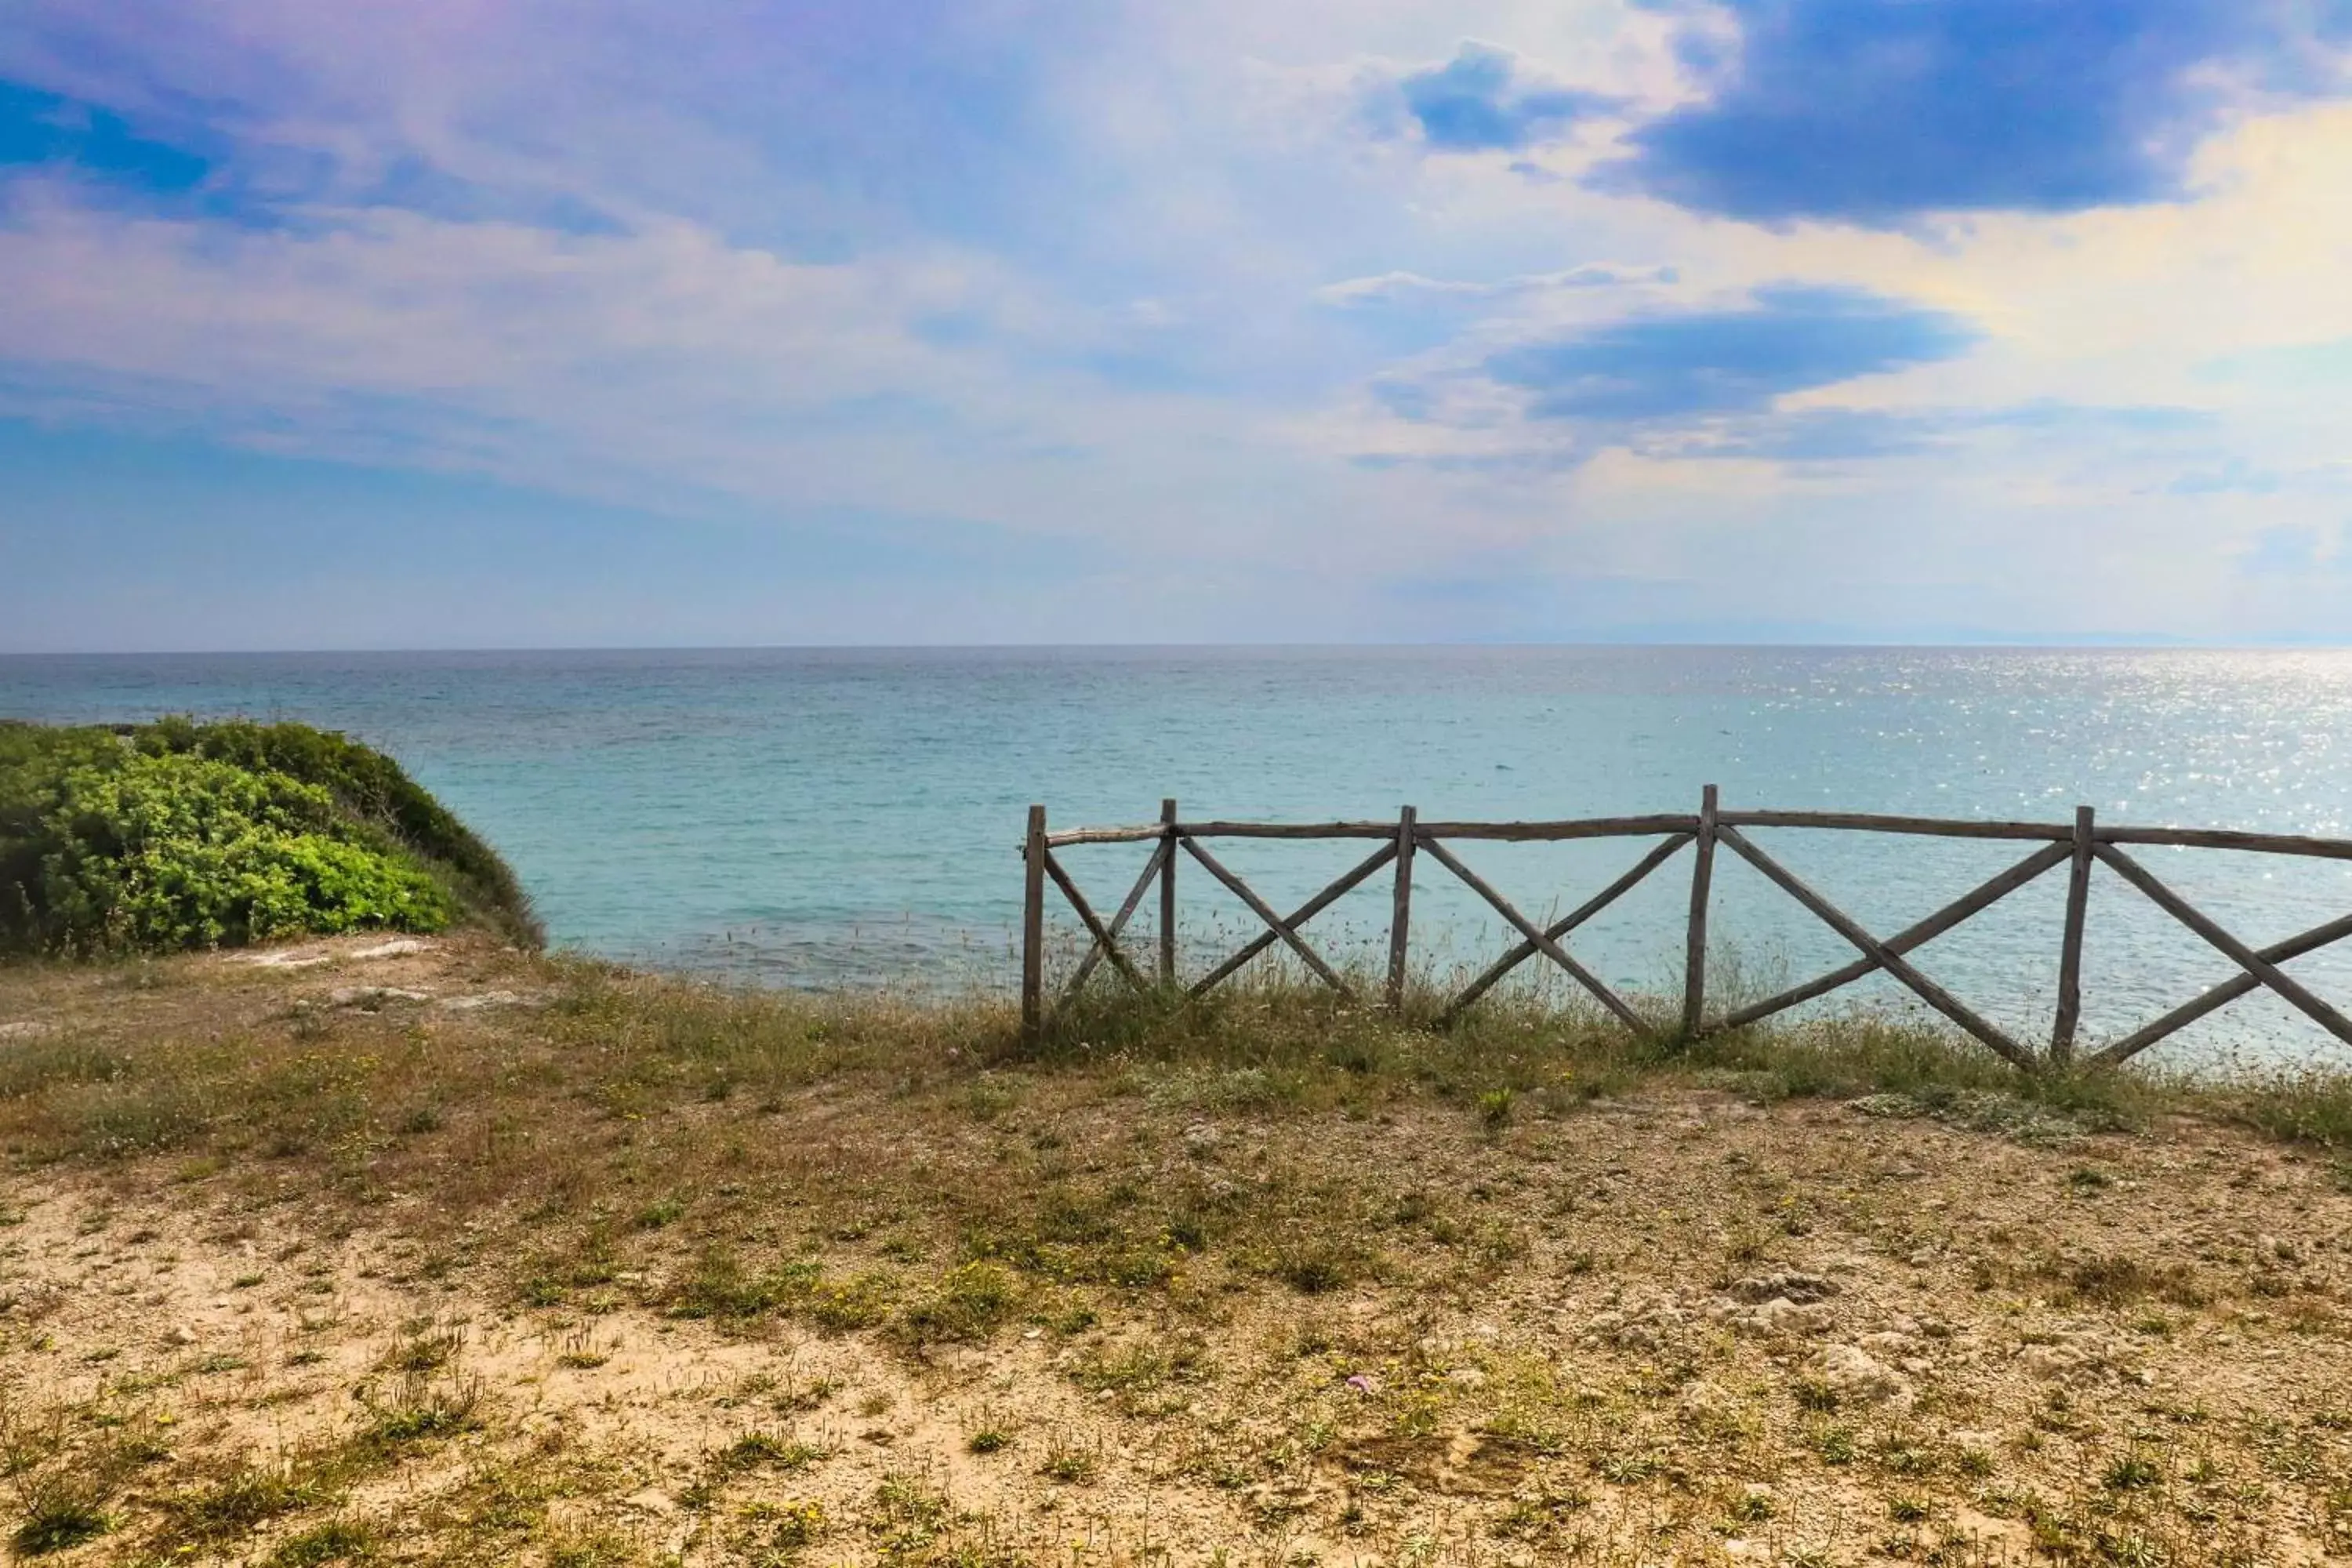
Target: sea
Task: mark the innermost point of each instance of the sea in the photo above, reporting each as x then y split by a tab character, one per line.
839	818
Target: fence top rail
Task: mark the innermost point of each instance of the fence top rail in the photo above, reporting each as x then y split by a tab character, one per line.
1672	823
2227	839
1867	822
1579	827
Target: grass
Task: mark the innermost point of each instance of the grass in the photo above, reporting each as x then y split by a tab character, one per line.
1318	1269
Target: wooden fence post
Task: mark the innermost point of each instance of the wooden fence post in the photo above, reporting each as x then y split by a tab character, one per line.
1032	927
1168	893
1702	879
1401	909
2070	955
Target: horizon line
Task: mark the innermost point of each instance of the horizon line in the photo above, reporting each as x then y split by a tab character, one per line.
2136	643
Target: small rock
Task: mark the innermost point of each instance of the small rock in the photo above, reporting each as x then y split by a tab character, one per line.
370	998
2048	1360
1790	1285
394	948
1854	1373
481	999
180	1335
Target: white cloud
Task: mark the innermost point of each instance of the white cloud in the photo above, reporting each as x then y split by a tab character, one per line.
1170	312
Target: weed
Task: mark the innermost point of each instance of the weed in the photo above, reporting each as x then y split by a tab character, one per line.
721	1286
968	1303
248	1495
859	1303
758	1450
1814	1394
425	1352
423	1408
337	1541
1068	1463
57	1519
1316	1265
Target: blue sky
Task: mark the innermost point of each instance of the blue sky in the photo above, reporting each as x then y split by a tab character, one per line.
497	322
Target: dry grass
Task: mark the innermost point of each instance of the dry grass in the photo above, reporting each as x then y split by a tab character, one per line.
460	1255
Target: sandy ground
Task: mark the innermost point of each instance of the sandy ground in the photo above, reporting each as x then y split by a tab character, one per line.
1675	1327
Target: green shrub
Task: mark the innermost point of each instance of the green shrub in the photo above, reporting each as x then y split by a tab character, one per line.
179	835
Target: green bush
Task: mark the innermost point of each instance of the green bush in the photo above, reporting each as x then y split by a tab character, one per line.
179	835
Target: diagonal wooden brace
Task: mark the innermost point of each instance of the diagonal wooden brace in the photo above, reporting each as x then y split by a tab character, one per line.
1265	911
1977	899
2245	957
2221	996
1296	918
1830	915
1103	937
1118	922
1495	971
1543	944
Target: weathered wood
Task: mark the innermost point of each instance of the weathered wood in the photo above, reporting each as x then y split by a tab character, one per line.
2222	839
1285	829
1401	909
1982	896
1127	906
1104	938
2221	996
1297	917
1702	884
1837	920
1032	925
1658	856
1168	893
1635	826
1550	832
1070	835
1931	827
2245	957
1265	911
1544	944
2070	945
2083	842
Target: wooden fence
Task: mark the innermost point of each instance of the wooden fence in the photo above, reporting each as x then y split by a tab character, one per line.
1402	843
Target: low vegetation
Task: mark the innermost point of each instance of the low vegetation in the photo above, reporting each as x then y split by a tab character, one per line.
157	837
460	1254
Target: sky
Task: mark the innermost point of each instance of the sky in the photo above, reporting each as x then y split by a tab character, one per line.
418	323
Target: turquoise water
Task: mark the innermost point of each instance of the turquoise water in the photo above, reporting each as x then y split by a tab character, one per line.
850	817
